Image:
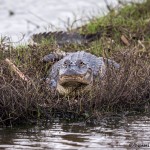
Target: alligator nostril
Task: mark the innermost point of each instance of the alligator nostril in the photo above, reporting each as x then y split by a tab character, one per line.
70	72
67	63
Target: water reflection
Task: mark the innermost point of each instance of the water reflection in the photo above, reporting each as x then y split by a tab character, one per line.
129	134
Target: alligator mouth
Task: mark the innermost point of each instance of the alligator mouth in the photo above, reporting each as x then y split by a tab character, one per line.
75	80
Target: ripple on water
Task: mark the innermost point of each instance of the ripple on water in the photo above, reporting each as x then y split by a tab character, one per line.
135	131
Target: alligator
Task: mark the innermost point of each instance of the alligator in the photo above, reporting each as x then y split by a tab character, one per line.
63	38
75	71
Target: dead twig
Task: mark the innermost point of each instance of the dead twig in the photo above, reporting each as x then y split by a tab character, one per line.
17	71
124	40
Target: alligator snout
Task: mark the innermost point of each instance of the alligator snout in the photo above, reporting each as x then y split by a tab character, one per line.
72	72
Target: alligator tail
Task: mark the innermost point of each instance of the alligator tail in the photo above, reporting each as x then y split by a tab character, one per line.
92	37
38	38
65	37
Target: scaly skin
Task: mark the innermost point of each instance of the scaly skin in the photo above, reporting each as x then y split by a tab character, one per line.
75	71
64	38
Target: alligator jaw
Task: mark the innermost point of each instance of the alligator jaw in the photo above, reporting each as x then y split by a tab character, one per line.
75	80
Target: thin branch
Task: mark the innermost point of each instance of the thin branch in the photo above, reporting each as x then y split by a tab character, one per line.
17	71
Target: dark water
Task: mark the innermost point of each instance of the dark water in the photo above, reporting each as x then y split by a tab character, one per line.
123	134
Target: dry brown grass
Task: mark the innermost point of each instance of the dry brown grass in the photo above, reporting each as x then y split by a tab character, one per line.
127	89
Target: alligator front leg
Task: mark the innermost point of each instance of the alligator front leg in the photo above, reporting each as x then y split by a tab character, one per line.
53	57
112	63
52	84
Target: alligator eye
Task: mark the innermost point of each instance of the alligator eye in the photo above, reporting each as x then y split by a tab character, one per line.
65	64
82	63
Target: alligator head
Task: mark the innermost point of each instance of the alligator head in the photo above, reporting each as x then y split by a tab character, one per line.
74	76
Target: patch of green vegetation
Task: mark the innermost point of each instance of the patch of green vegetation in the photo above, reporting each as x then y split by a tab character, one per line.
132	21
133	16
